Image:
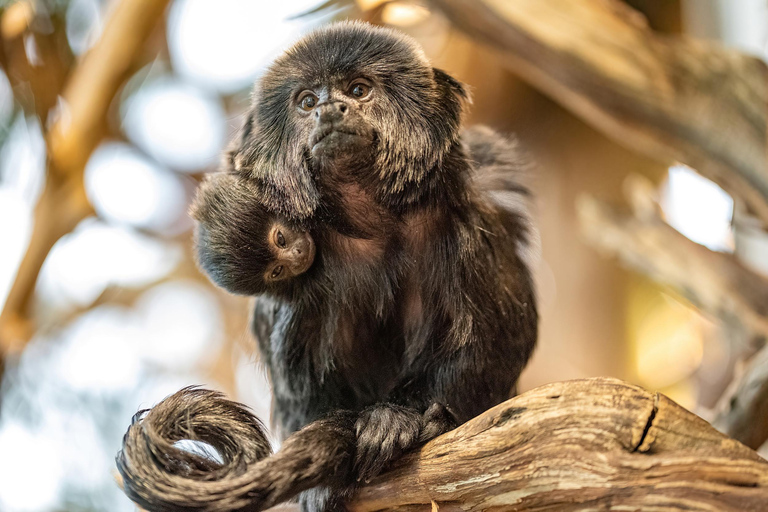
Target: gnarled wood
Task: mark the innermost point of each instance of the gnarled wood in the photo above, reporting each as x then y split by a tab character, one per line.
672	98
596	444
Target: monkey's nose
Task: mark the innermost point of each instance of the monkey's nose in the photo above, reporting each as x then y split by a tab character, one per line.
331	112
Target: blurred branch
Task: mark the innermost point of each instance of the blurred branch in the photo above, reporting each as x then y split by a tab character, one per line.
80	126
35	56
586	444
742	412
715	282
672	98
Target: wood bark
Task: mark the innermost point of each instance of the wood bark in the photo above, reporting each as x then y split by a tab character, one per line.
79	128
594	444
672	98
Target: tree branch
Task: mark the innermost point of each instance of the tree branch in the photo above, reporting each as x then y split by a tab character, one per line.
595	444
715	282
672	98
78	130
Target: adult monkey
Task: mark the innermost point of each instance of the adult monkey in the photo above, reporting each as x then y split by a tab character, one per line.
426	314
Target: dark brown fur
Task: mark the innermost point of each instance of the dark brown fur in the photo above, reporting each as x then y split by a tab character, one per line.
419	311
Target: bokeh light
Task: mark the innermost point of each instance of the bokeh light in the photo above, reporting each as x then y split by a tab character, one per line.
84	263
84	24
6	99
176	123
22	159
224	44
182	324
32	470
698	208
125	186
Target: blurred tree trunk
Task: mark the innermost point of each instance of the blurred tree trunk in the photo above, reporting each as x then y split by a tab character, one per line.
80	126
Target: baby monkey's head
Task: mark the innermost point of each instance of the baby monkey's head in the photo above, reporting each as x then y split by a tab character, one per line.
243	247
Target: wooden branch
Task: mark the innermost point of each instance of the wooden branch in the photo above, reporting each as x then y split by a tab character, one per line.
596	444
672	98
742	413
73	137
715	282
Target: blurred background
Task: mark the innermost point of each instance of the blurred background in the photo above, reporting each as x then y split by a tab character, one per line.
111	111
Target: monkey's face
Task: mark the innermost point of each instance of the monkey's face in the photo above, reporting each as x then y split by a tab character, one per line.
348	96
241	245
336	117
293	252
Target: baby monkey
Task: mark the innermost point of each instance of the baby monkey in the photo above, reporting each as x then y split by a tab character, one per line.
274	249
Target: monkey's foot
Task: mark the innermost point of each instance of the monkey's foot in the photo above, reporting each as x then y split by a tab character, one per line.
384	432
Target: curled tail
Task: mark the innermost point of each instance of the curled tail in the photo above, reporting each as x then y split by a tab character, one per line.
160	476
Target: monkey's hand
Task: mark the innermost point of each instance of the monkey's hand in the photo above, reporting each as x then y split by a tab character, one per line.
384	433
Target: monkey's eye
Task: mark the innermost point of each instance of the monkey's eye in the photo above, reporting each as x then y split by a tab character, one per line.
280	239
308	101
360	90
277	271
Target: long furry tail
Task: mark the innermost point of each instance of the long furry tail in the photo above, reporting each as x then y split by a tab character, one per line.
160	476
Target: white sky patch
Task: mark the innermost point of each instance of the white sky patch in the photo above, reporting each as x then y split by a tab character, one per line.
83	263
176	123
31	471
125	187
224	44
698	208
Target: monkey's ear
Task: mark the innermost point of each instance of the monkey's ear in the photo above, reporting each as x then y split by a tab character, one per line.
233	158
448	83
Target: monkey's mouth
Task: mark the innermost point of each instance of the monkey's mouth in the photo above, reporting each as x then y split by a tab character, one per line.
332	140
325	135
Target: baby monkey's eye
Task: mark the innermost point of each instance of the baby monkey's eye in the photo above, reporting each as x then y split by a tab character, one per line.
360	90
280	239
308	101
277	271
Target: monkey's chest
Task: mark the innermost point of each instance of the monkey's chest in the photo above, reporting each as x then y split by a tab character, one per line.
369	357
